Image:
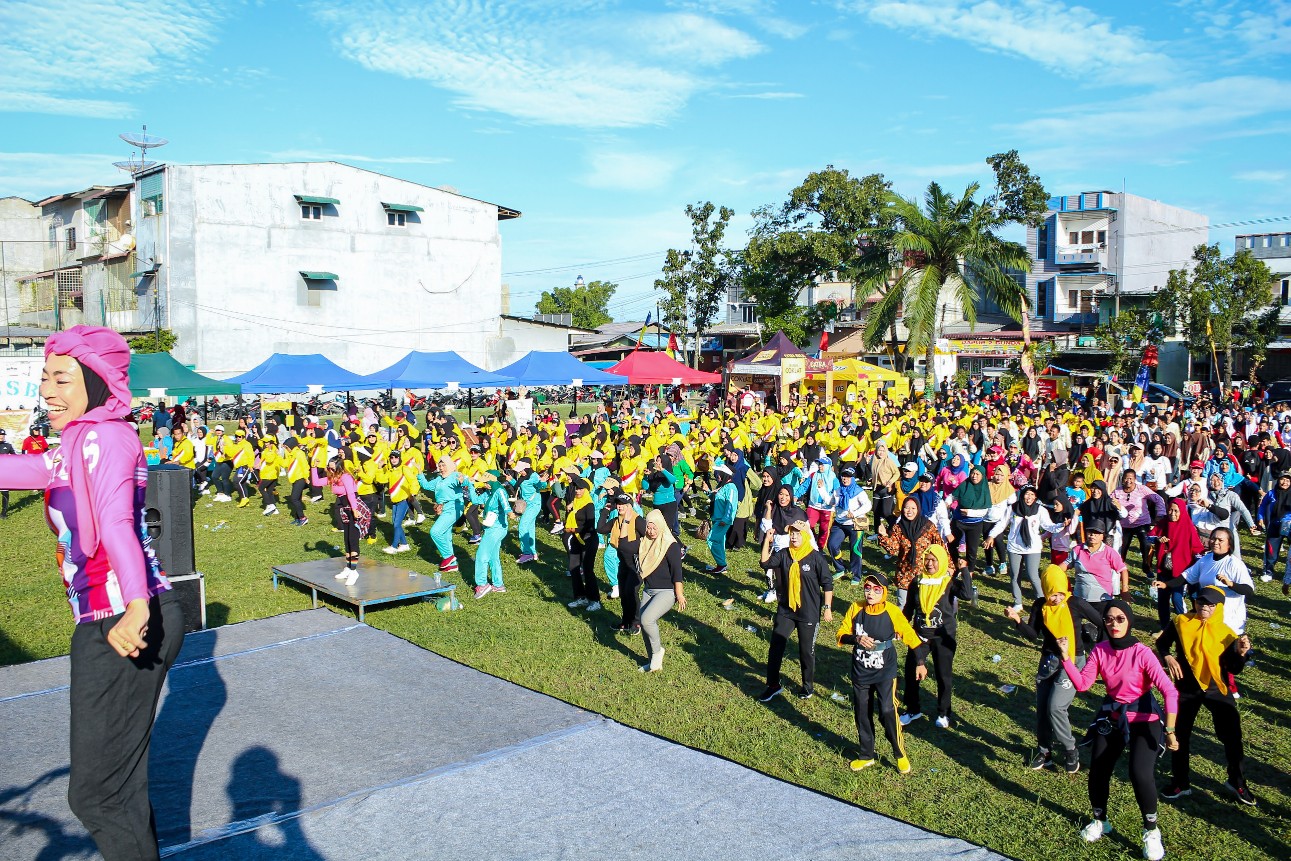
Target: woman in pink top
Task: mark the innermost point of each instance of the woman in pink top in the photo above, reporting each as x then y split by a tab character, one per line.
355	516
129	624
1129	717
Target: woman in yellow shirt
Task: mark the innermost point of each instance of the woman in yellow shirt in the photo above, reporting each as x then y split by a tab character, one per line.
296	466
268	476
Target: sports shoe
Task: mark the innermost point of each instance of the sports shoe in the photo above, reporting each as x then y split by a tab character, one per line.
352	577
614	592
318	498
244	502
714	569
302	521
1071	761
557	529
1041	761
206	491
861	764
476	539
202	487
1255	530
577	602
769	596
1095	831
223	497
907	719
1176	792
372	540
684	551
345	572
770	693
449	564
903	764
392	550
403	548
1152	848
1243	794
806	694
942	722
525	558
481	591
499	589
421	518
594	606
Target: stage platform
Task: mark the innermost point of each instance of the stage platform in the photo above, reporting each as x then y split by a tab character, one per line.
379	582
309	736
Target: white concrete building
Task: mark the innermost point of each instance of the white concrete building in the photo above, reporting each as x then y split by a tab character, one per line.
249	260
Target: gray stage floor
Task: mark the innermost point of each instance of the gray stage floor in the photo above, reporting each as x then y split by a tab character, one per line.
307	736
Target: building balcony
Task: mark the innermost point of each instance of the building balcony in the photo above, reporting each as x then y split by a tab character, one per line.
1078	255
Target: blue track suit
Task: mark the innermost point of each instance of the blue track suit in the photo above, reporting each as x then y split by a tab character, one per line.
449	493
724	505
531	490
488	556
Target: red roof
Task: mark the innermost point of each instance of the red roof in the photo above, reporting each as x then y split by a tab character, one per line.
647	368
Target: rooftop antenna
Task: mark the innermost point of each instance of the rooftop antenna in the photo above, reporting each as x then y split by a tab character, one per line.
144	141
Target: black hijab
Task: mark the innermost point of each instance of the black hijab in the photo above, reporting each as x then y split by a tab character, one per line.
912	530
1120	643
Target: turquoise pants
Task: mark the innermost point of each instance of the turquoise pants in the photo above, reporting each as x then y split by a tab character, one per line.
441	531
488	556
528	527
717	543
611	557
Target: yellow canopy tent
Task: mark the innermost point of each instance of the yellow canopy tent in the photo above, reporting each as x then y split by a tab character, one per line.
861	378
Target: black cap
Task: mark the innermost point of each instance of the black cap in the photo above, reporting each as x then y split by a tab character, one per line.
622	499
849	472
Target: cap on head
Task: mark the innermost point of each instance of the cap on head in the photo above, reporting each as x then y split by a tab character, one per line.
800	526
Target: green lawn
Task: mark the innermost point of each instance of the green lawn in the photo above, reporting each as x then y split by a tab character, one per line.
969	782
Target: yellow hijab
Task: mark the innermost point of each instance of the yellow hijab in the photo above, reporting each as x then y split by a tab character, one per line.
1057	617
933	586
1203	642
799	553
652	550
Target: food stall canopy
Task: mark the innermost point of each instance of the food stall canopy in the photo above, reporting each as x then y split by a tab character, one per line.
541	368
286	374
766	360
437	370
154	372
642	367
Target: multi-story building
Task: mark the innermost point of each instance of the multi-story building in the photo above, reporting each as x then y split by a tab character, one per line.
1099	252
1275	250
244	260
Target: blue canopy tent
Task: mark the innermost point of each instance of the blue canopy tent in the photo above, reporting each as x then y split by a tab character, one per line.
419	370
557	369
285	374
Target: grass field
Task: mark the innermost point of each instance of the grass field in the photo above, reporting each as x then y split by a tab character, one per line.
969	781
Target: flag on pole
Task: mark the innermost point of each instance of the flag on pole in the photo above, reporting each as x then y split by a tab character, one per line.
641	336
824	344
1140	385
672	345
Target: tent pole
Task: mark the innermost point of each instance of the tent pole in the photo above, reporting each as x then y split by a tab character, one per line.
574	413
206	409
470	407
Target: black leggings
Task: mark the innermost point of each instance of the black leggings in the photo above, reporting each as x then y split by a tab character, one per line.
1228	729
864	698
268	492
1128	534
629	586
971	535
352	536
997	550
582	567
370	500
736	536
295	501
241	475
669	512
1144	748
941	648
783	627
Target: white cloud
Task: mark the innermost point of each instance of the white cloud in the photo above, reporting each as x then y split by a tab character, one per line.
1262	176
774	95
314	155
573	64
1069	40
761	12
37	175
629	171
1267	31
59	56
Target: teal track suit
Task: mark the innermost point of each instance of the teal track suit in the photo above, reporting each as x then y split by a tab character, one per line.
724	505
531	492
448	492
488	555
611	555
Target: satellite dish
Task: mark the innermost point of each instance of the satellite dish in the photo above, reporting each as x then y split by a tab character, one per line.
143	140
133	166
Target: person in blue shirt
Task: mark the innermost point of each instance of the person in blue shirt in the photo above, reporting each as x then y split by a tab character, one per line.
495	513
724	504
530	487
449	489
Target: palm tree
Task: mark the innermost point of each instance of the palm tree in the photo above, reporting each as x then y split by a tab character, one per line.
945	249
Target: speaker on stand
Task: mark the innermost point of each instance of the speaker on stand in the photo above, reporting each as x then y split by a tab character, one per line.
168	517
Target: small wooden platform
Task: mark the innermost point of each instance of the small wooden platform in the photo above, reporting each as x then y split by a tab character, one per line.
378	583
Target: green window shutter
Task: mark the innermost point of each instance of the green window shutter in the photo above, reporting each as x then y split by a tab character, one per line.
151	185
93	210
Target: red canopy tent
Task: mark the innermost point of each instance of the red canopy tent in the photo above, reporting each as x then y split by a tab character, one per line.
644	368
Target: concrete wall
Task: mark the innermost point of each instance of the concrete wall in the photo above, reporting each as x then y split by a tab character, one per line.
23	237
232	243
516	338
1149	238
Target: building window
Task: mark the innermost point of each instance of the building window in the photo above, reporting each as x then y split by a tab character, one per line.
1286	291
397	219
1042	242
1042	299
748	313
1102	237
1073	237
1087	237
151	192
53	236
71	239
310	212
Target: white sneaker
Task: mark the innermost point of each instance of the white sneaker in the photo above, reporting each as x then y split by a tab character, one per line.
392	550
770	596
421	518
594	606
345	572
907	719
206	491
1095	831
1152	848
577	602
402	548
223	497
352	577
272	509
943	722
614	592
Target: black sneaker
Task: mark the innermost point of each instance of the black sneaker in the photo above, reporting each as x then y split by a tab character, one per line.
770	693
1243	794
1071	760
806	694
1176	792
1041	761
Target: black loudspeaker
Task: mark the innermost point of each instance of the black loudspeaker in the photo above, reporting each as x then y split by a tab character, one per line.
168	517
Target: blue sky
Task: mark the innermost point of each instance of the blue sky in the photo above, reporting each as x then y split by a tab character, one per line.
601	120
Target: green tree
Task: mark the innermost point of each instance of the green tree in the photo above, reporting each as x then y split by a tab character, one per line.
695	282
1222	305
160	341
947	248
589	303
1020	198
822	230
1123	338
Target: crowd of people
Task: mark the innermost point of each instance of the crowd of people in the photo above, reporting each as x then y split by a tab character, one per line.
1051	497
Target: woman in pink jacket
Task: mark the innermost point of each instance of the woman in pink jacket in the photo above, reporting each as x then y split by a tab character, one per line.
1128	718
129	625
